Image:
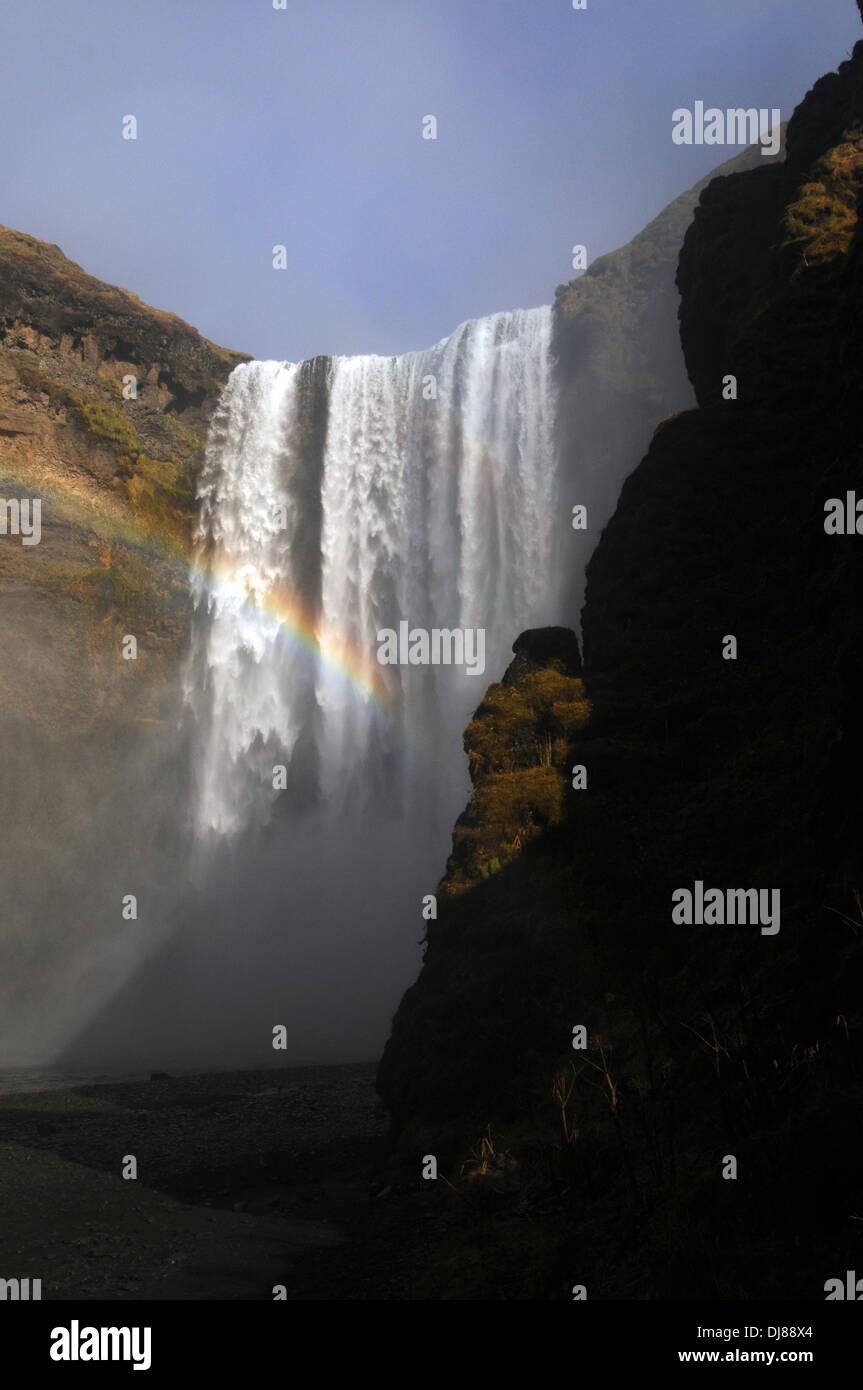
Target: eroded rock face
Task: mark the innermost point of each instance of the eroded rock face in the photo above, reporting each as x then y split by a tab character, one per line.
546	645
764	252
619	368
103	413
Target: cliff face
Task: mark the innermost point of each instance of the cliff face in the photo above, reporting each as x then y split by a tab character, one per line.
603	1165
775	242
619	368
116	481
463	1029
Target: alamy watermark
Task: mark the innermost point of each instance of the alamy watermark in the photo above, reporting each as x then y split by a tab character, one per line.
77	1343
20	1290
844	515
719	907
438	646
734	126
850	1288
21	517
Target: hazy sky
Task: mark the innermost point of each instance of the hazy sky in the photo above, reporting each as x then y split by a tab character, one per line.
303	127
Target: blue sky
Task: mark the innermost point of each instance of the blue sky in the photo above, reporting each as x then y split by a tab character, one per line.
303	127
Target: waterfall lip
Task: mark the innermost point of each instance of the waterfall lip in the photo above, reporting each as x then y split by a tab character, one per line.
341	357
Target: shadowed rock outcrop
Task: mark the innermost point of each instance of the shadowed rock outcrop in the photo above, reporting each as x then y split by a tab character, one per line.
563	1023
619	368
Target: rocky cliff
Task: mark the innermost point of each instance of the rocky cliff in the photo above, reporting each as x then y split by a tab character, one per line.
103	411
582	1065
619	368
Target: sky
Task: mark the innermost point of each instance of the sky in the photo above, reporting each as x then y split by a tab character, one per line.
302	127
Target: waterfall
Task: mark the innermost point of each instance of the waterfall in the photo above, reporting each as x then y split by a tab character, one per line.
339	497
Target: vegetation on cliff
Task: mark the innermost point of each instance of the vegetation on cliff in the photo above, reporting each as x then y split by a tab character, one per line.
116	472
517	745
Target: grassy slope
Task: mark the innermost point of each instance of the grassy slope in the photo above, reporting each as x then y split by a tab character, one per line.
117	481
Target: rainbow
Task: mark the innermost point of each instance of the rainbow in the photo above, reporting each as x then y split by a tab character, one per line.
109	521
297	624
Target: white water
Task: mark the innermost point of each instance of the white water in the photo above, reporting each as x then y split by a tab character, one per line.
439	511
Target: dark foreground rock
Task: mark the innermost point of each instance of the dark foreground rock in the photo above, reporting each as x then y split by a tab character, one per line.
582	1056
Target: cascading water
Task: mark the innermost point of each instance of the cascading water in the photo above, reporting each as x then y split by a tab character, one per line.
338	498
429	495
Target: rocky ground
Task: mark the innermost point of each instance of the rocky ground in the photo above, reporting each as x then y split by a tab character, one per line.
246	1180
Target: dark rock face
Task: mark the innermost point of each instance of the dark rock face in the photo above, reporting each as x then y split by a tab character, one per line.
305	486
517	746
543	645
700	1040
775	241
619	368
